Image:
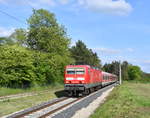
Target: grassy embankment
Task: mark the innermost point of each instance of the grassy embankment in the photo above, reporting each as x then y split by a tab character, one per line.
13	105
10	91
130	100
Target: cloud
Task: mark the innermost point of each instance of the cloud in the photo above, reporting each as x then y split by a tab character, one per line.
145	65
2	1
64	2
117	7
36	3
113	51
4	32
31	3
48	2
147	61
107	50
40	3
130	50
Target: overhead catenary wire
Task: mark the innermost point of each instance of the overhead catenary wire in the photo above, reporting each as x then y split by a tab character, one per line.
12	17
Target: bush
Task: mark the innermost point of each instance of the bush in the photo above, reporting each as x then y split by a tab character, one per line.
20	67
50	67
16	67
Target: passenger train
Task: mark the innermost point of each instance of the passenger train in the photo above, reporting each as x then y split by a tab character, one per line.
83	79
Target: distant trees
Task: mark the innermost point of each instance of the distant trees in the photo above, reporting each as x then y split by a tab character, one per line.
125	70
129	72
2	40
134	72
84	56
146	77
112	68
19	37
6	41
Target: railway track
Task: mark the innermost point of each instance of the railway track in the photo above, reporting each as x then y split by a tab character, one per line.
45	109
49	108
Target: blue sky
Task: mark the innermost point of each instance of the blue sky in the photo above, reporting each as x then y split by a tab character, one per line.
115	29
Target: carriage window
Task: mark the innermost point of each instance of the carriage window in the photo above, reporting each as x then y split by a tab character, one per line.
70	71
104	77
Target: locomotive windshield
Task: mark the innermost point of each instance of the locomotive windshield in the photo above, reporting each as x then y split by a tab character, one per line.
80	71
75	71
70	71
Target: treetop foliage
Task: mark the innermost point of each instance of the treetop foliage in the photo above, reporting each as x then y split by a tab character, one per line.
84	56
45	34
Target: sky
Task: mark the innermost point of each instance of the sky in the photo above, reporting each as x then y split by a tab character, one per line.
115	29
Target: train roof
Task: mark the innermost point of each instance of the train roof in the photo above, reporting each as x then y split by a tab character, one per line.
88	66
108	73
78	66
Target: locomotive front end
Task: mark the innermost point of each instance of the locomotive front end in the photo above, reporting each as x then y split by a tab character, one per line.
75	79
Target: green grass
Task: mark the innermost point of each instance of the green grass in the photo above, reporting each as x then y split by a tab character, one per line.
13	105
130	100
10	91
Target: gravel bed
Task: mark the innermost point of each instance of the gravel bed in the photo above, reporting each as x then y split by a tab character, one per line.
49	109
89	110
70	111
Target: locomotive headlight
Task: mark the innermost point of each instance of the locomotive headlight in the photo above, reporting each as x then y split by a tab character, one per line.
80	78
67	82
69	78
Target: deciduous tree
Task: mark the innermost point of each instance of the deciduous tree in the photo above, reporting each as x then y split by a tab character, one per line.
45	34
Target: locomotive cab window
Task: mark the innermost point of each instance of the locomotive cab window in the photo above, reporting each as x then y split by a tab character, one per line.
80	71
70	71
75	71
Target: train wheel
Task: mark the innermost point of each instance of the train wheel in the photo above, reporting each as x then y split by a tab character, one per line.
87	91
91	90
70	94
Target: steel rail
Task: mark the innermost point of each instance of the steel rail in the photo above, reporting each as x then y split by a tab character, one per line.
36	109
59	108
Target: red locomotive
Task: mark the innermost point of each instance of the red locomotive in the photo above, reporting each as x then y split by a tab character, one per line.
83	79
